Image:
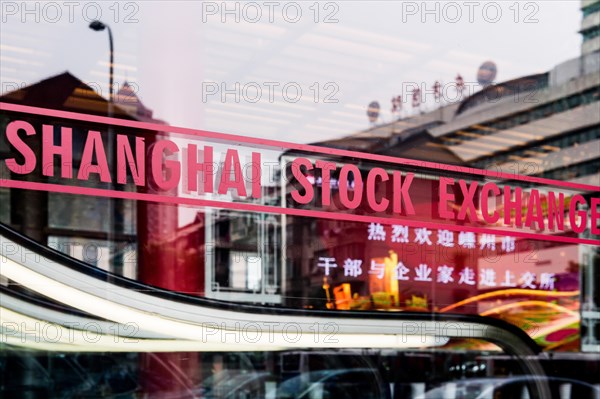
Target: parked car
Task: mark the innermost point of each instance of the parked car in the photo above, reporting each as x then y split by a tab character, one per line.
335	383
518	387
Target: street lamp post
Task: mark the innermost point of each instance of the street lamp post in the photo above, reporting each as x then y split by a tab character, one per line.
113	204
100	26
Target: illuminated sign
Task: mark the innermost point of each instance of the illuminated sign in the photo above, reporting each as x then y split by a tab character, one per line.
199	173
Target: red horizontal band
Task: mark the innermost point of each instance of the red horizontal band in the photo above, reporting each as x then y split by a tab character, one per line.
98	192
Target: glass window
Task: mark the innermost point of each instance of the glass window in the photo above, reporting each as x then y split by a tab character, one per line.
326	199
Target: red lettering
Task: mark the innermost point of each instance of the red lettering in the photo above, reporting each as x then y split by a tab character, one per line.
401	194
485	198
468	205
556	212
534	207
510	205
125	157
232	164
345	189
12	134
205	165
256	175
64	150
372	189
445	197
326	168
574	214
160	150
94	145
595	215
308	188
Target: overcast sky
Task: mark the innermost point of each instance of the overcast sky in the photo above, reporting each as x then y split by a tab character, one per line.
356	52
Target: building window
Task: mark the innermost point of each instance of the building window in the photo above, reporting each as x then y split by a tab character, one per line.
591	33
245	271
591	9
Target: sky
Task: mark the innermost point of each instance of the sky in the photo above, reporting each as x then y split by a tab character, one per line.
299	71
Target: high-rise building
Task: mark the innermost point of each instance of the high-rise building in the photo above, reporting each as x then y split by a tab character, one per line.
590	26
